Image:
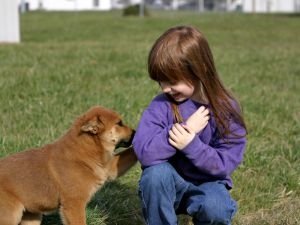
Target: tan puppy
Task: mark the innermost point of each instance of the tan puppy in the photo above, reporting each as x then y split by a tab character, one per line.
65	174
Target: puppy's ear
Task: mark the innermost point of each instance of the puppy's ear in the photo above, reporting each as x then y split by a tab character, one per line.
93	127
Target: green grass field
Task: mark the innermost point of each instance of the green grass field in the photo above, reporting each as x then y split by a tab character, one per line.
68	62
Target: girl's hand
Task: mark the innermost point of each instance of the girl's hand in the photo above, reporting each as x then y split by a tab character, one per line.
198	120
180	136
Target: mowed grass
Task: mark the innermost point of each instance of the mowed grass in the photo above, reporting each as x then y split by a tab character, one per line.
68	62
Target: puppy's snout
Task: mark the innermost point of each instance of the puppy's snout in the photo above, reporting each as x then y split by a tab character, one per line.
128	141
131	137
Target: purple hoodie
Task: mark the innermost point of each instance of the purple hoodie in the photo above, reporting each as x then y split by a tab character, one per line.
207	158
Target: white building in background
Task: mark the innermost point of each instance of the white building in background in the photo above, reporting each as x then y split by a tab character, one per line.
248	6
9	21
69	5
270	6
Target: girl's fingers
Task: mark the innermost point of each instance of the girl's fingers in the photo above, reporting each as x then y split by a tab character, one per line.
206	118
173	143
175	131
188	129
180	128
206	112
201	109
172	135
200	113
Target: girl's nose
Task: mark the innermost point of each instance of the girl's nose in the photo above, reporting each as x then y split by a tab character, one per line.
165	87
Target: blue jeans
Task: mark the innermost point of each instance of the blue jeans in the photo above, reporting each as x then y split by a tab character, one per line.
164	194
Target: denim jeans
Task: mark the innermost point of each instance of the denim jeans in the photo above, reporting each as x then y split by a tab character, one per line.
164	194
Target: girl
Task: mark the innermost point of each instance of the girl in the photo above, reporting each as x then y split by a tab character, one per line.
191	137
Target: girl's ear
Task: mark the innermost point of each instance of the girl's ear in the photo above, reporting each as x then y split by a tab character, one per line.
93	127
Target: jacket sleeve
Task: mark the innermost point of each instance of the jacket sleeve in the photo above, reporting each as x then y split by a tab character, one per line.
222	156
151	139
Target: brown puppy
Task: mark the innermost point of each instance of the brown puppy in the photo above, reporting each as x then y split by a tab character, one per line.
66	173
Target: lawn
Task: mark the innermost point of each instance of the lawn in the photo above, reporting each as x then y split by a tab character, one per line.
68	62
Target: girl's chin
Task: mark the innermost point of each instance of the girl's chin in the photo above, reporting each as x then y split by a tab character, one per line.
178	99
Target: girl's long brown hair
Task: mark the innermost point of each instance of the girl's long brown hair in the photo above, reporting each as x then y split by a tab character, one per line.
182	53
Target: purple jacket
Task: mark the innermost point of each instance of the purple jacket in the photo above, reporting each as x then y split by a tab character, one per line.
207	158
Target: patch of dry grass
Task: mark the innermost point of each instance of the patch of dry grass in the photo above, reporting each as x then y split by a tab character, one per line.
285	212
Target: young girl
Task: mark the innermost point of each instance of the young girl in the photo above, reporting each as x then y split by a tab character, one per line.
191	137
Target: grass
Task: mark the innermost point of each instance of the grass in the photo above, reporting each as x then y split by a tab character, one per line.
68	62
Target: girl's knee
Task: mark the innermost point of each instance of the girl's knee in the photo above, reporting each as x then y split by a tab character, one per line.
216	210
214	203
157	175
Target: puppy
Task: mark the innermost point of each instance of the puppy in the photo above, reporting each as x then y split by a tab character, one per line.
64	175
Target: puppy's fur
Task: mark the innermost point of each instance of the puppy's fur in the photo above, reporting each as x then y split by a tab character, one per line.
64	175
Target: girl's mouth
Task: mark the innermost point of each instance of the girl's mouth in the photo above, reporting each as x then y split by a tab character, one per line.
176	96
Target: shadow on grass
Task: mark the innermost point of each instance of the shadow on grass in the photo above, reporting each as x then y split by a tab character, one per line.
117	203
288	15
52	219
291	15
113	204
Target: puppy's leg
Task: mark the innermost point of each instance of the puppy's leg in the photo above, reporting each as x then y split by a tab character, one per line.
121	163
31	219
11	210
10	218
73	213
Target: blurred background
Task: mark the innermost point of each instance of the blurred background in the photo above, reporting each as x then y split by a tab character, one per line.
197	5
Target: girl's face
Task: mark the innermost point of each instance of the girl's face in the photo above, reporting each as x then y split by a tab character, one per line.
178	91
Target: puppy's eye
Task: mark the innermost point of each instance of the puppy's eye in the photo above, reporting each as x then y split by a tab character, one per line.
120	123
